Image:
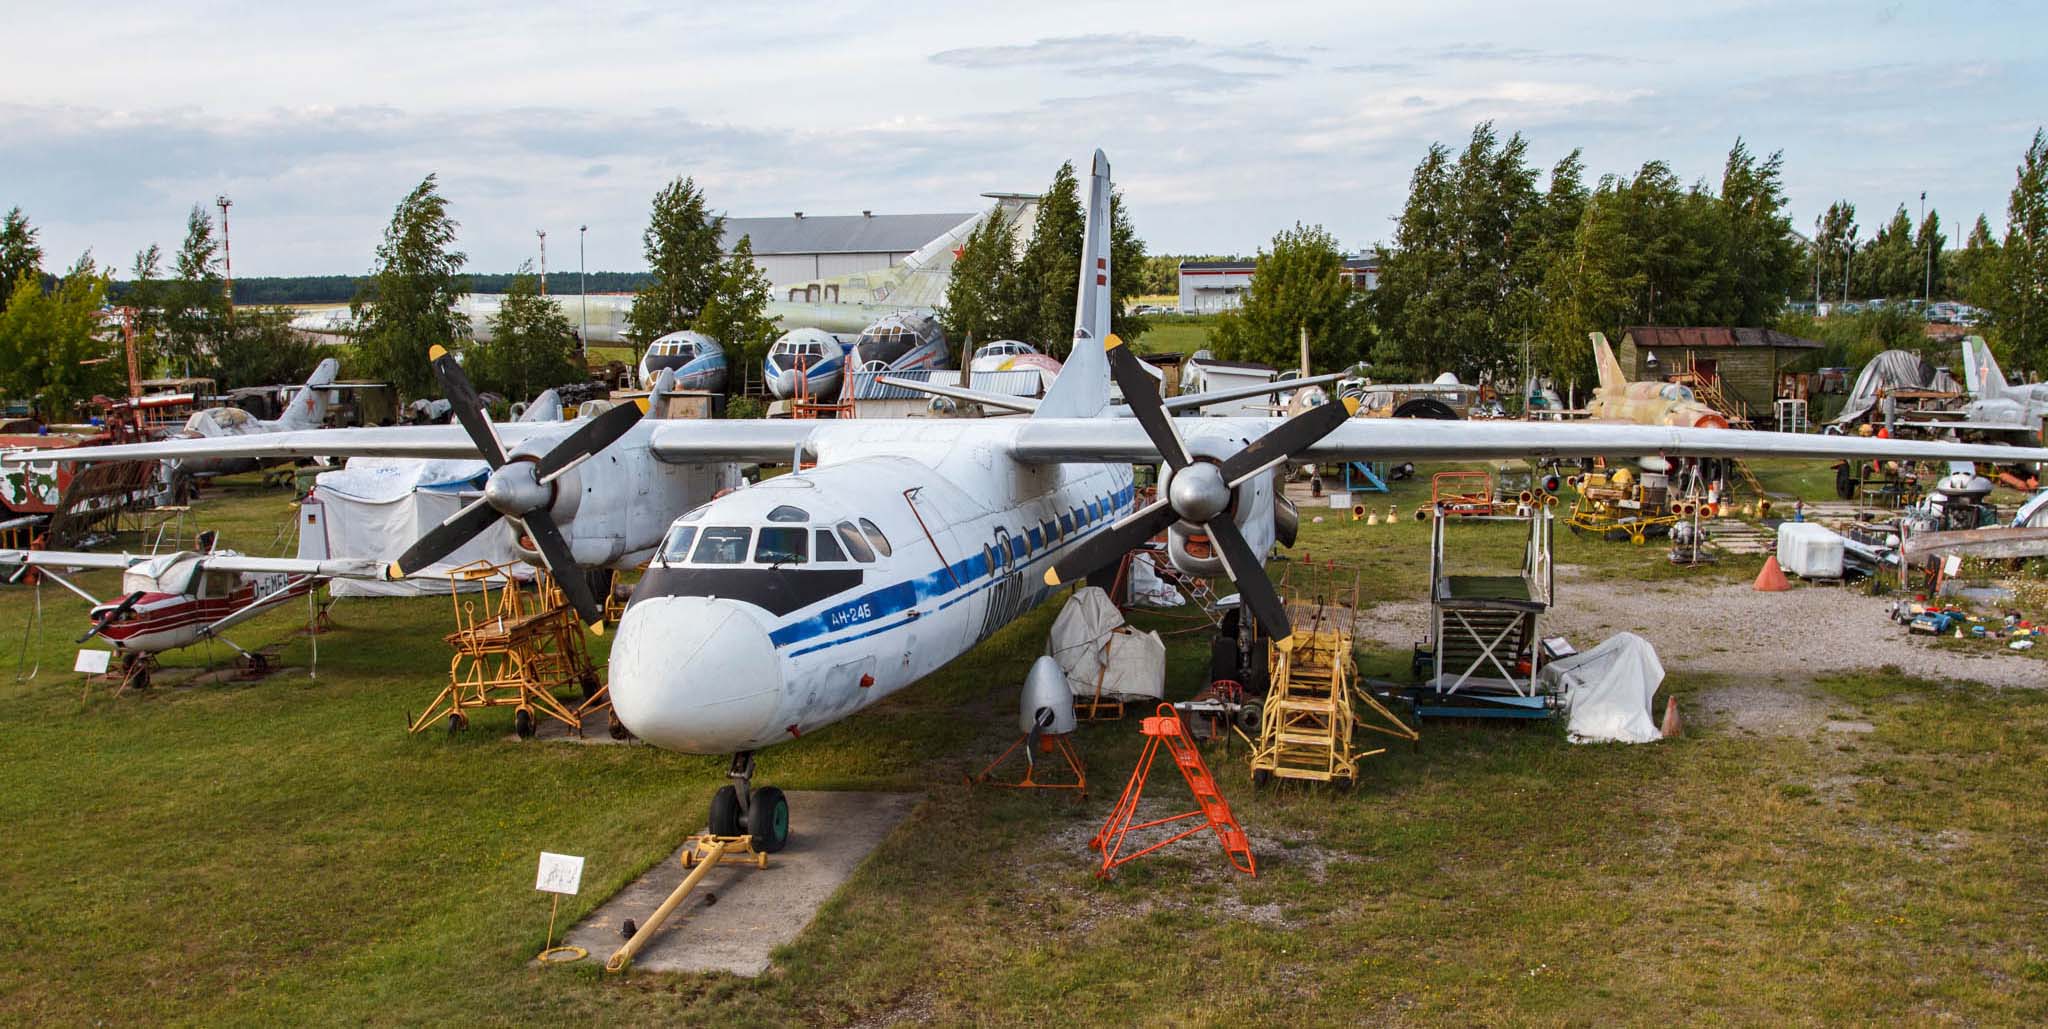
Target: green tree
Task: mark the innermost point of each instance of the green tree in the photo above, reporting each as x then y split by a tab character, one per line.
530	346
682	248
1034	299
55	349
1455	288
146	295
263	349
983	296
1891	263
1834	240
19	253
1762	257
408	303
1052	263
1298	284
736	312
195	310
2017	288
1970	267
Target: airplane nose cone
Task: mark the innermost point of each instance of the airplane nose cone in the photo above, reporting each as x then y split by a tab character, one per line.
695	675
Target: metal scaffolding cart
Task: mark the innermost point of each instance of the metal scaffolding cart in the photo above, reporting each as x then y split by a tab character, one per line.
1485	640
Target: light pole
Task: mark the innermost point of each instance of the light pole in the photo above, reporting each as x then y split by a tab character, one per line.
583	284
543	234
1927	240
227	255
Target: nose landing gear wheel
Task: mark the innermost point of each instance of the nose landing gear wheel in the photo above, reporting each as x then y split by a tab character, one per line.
768	818
726	819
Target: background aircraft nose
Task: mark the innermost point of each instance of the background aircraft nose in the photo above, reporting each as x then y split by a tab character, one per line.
695	675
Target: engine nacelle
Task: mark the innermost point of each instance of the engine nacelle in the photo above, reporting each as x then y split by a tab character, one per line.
1252	507
1047	704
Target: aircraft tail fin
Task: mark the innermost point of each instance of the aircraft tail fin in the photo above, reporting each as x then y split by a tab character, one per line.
308	408
1980	369
1081	390
1611	377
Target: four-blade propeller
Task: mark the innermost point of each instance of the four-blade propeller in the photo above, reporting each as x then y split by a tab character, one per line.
1199	492
520	488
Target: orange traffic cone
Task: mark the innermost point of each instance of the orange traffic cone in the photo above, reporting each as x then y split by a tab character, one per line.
1772	578
1673	725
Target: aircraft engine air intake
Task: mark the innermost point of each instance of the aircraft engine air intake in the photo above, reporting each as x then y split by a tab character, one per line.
1215	501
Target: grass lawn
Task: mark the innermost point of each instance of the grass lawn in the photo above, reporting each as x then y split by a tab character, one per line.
282	852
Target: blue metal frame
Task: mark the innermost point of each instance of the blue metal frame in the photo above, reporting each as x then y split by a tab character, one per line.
1374	473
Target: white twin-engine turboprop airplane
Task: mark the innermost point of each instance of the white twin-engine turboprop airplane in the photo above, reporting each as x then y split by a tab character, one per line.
776	609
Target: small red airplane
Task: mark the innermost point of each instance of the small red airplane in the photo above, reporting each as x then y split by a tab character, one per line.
177	599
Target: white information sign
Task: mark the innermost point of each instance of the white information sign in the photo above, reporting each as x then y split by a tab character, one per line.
559	873
93	662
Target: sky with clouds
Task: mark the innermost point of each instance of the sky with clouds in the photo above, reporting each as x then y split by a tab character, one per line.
1224	122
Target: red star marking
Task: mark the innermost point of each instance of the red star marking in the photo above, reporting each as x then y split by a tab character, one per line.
957	251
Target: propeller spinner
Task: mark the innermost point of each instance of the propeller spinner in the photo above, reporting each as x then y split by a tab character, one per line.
1199	492
521	488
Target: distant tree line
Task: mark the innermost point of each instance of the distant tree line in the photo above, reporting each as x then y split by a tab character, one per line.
339	289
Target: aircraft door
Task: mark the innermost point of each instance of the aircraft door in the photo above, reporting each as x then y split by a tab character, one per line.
1006	595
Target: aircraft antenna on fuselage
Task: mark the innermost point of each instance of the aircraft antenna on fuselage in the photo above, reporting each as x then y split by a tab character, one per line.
1081	390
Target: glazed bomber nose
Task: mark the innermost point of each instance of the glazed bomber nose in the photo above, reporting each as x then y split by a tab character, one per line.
695	675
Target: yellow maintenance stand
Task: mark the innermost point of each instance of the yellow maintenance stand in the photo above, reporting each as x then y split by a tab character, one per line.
1314	706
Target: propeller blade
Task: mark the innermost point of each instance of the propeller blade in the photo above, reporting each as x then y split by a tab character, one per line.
1253	587
594	435
1111	544
469	408
443	539
1293	436
1141	392
113	616
554	552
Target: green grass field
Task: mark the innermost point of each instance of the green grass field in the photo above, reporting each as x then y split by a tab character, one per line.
282	852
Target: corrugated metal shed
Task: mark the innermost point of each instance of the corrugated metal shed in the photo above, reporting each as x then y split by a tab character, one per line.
839	234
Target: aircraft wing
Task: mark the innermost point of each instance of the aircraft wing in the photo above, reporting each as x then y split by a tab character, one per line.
2004	427
361	568
1115	440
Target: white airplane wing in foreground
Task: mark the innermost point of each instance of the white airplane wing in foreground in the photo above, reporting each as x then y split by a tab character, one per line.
1094	440
1078	440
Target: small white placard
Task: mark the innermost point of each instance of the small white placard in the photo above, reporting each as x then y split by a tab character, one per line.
93	662
559	873
1340	500
1952	565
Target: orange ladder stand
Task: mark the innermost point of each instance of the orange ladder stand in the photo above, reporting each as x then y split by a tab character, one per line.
1167	730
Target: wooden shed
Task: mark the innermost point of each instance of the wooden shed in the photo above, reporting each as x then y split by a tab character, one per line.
1744	362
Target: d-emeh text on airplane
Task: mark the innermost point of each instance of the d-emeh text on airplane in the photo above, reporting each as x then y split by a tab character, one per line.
785	606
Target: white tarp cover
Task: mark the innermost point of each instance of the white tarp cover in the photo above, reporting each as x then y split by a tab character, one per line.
376	507
1809	551
1092	645
1148	588
1608	690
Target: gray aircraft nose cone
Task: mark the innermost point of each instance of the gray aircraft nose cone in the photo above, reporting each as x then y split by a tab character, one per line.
1198	492
514	489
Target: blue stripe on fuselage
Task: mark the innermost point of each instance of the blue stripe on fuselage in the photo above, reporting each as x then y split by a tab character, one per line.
966	577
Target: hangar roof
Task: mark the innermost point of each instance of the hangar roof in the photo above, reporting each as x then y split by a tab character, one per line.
1670	336
840	233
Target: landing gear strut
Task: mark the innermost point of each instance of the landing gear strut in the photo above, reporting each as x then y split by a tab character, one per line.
741	810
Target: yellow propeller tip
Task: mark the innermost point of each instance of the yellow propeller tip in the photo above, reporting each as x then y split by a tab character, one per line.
598	629
394	572
1052	578
1114	341
436	352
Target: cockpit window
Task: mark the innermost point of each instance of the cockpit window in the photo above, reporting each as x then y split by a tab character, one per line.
677	547
875	536
723	545
1678	392
828	547
854	544
786	513
694	515
782	545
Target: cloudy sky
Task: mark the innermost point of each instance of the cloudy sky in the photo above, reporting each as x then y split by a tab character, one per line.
1224	122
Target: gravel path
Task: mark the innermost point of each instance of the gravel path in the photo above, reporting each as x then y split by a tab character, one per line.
1732	631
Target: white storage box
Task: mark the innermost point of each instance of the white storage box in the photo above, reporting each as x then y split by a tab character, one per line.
1809	551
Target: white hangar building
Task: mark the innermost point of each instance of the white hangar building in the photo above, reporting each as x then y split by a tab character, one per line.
1210	286
803	247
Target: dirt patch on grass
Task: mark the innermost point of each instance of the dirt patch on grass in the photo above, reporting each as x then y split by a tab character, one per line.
1731	631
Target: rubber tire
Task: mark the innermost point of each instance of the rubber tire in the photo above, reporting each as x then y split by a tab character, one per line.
618	729
1249	716
725	813
522	723
457	721
1261	778
769	816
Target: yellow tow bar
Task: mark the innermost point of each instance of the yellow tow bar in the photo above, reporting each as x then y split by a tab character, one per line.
704	853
